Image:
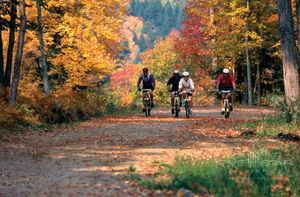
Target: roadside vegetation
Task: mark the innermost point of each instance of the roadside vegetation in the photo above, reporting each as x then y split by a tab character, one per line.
264	172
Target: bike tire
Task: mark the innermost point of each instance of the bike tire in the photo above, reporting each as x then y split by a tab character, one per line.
146	112
149	111
227	111
176	110
187	110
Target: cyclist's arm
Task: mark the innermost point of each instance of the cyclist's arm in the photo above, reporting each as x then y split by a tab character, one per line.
218	81
180	85
139	82
233	81
153	82
169	82
192	85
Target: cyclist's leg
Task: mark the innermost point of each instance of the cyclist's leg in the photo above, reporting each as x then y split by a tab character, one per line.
172	99
151	97
191	100
191	103
222	100
172	103
144	95
222	103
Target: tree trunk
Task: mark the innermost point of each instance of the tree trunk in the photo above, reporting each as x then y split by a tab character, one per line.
18	60
290	70
298	23
1	56
214	59
42	59
11	42
249	88
258	85
298	32
245	94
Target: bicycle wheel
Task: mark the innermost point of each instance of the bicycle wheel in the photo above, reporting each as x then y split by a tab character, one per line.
146	106
176	109
187	109
227	110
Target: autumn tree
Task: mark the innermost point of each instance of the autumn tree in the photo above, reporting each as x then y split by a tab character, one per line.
11	42
1	55
18	59
298	25
290	69
42	59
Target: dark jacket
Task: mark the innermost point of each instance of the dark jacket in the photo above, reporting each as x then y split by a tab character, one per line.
174	81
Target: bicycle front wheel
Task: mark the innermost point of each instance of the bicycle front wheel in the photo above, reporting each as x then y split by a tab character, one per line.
187	109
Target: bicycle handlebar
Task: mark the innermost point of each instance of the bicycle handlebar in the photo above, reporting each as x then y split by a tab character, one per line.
146	90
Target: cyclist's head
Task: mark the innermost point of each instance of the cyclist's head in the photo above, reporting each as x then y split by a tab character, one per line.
186	74
176	73
145	71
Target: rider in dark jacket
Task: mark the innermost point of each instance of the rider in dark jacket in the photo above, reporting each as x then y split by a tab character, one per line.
148	82
173	84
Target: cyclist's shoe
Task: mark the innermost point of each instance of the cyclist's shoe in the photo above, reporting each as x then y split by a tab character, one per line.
191	112
223	111
173	111
231	108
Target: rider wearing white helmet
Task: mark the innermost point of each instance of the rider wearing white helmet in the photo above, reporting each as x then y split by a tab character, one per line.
173	84
186	86
226	81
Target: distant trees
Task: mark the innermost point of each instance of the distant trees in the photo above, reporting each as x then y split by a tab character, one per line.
159	16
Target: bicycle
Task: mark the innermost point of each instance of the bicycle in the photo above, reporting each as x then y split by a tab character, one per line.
176	103
186	104
227	107
147	101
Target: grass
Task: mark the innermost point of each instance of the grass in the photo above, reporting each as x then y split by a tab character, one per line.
272	126
273	172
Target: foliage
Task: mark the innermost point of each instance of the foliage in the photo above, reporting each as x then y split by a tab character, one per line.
273	172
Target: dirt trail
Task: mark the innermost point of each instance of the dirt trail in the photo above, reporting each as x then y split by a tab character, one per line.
92	158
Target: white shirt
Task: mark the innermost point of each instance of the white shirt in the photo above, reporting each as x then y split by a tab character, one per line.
186	85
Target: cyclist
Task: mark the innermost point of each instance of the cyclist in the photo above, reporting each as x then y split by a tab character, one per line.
186	86
148	83
173	84
226	81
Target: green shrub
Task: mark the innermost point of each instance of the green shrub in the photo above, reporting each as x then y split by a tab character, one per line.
265	173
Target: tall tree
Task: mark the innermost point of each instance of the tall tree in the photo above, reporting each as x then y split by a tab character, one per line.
11	42
42	59
290	70
1	55
249	83
18	59
298	30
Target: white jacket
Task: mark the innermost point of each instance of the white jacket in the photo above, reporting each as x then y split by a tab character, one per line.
186	85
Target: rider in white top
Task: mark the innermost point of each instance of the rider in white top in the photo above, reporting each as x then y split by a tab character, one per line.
186	86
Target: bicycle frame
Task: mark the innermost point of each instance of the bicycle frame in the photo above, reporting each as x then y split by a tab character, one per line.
226	103
186	104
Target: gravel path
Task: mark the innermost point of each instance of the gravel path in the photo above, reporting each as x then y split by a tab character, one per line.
92	158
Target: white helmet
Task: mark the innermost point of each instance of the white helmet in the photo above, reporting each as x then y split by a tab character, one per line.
176	71
185	74
226	71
